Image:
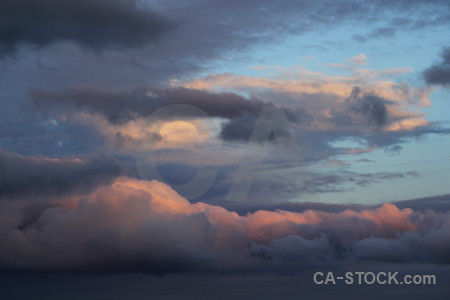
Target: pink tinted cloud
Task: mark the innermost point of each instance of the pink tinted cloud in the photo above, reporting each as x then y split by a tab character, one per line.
134	225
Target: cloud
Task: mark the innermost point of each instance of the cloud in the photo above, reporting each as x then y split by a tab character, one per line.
364	160
243	126
239	128
370	106
205	32
41	176
126	110
439	73
386	32
360	59
142	226
436	203
320	109
333	183
92	24
122	106
394	149
381	114
439	204
127	225
365	104
298	81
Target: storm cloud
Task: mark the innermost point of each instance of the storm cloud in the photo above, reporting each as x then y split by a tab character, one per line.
92	24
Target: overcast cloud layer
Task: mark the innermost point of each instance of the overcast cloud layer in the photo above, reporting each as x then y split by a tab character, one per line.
93	24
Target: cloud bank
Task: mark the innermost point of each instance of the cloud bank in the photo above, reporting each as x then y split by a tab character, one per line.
144	226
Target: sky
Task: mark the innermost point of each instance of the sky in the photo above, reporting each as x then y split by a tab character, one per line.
215	149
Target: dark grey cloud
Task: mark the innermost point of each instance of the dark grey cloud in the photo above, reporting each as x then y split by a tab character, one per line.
209	30
244	208
411	15
206	31
372	107
440	72
387	32
94	24
123	106
241	127
333	183
439	203
35	176
365	160
383	32
394	149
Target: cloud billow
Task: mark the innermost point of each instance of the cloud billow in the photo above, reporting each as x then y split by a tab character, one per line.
141	226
